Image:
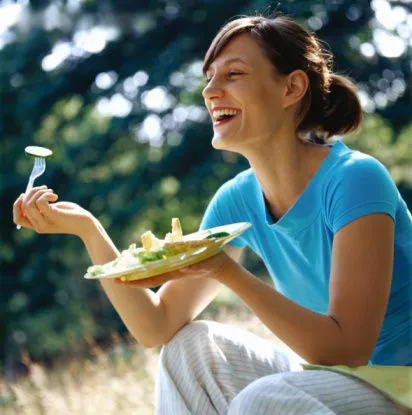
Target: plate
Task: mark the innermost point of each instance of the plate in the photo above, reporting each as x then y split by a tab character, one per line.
172	263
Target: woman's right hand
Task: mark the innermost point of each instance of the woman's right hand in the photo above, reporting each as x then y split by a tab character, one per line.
38	211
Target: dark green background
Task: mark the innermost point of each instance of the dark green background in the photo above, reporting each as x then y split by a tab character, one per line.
104	164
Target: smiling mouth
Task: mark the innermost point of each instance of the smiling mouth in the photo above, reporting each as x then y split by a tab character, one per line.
224	119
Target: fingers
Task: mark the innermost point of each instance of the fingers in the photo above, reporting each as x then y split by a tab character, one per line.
202	269
33	211
144	283
152	281
66	205
33	191
136	284
42	202
19	218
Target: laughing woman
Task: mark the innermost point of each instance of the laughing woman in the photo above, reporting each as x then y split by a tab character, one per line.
328	222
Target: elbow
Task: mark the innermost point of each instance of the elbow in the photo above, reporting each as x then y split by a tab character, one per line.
357	361
153	343
344	357
342	361
147	342
157	339
354	360
357	355
347	350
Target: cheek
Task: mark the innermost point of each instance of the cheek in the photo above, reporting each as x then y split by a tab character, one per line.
268	107
261	104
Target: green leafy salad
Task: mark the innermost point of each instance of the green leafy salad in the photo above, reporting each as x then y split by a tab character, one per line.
153	249
128	258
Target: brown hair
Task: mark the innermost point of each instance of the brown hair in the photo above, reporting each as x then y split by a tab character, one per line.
331	105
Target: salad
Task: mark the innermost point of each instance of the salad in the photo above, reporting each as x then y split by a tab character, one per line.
154	249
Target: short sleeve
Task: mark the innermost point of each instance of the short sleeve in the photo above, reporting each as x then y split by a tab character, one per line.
222	211
360	186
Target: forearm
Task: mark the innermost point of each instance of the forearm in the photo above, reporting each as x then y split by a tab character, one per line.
315	337
139	308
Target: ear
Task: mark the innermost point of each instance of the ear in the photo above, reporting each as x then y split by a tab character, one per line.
296	85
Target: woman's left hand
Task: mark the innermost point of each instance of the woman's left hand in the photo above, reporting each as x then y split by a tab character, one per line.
217	267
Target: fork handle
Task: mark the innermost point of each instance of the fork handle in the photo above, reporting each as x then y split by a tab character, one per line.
29	185
28	188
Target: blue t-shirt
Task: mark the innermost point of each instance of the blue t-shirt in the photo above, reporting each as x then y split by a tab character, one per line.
297	249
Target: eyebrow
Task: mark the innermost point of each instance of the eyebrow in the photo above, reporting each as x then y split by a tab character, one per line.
228	61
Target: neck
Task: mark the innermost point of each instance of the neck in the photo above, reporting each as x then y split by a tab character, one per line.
284	166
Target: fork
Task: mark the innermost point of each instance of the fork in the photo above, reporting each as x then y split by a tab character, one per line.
38	169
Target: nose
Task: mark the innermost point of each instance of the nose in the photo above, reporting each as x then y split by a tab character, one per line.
212	90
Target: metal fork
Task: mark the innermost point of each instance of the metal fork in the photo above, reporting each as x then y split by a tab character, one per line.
38	169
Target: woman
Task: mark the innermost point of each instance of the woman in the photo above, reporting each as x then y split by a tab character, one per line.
328	222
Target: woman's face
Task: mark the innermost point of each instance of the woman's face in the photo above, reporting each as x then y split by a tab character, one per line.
243	96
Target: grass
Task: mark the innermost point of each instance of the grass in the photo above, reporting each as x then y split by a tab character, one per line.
119	380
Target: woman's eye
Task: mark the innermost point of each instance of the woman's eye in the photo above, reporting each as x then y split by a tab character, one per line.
231	73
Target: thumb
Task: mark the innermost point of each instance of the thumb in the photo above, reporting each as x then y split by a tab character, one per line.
65	205
66	208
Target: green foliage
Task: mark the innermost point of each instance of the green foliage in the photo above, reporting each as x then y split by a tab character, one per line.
91	109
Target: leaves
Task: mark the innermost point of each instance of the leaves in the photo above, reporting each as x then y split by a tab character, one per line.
88	83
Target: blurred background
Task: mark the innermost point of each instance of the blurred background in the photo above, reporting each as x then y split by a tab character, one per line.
113	87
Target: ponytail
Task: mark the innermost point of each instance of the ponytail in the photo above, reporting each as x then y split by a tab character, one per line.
342	112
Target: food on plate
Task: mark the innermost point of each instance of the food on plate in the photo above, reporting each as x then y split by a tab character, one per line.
176	235
38	151
150	242
154	249
218	235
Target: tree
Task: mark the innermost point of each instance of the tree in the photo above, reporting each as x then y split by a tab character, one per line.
113	87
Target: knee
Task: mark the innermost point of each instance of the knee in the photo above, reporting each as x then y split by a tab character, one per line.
258	397
186	341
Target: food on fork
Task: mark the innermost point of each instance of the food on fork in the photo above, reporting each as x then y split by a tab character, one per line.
38	151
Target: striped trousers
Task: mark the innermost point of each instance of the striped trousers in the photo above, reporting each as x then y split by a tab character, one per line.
211	368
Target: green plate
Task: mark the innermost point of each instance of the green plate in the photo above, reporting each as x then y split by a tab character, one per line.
151	269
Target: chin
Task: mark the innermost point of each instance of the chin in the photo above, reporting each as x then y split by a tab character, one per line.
221	143
217	144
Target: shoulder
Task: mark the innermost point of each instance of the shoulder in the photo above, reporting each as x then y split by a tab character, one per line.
241	182
227	205
356	170
358	184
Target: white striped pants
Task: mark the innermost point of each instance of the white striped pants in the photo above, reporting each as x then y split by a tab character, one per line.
212	368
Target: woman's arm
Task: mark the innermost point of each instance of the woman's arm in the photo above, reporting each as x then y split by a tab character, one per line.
153	318
359	290
140	309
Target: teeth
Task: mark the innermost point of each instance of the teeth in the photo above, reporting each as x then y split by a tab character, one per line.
217	114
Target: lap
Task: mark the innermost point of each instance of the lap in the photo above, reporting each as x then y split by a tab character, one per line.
230	349
311	392
230	368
